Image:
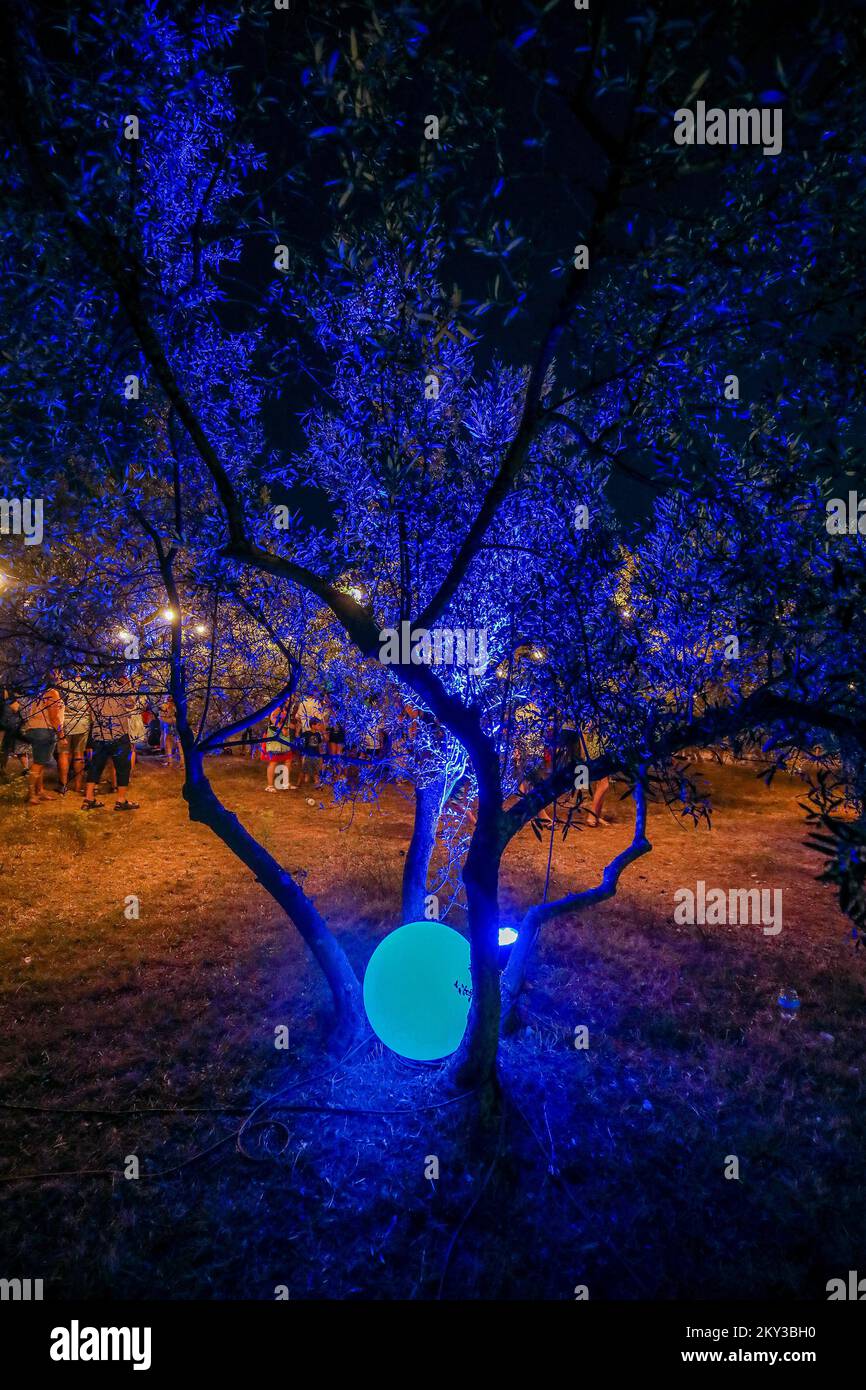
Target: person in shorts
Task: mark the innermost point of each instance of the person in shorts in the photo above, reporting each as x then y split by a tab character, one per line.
110	711
336	739
314	745
168	725
276	750
76	728
593	747
42	728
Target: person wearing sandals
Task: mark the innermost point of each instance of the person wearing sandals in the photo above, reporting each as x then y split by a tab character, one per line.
76	727
593	749
42	728
277	750
110	712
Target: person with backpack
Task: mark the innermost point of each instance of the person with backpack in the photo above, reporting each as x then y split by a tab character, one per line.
11	723
153	730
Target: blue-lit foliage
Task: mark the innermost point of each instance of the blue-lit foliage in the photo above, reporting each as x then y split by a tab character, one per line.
462	508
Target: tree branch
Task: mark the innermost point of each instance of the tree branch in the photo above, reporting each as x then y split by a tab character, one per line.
515	972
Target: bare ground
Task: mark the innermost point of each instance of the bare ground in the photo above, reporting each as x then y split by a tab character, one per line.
604	1167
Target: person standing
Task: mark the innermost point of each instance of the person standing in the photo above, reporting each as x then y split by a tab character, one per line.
307	713
314	746
276	750
137	727
168	723
294	734
110	713
11	723
336	733
594	749
42	728
76	727
308	708
153	730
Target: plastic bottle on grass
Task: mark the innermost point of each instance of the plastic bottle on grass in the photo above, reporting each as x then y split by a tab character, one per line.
789	1004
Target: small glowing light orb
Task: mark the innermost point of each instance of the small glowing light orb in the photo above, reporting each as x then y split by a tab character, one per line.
417	990
507	936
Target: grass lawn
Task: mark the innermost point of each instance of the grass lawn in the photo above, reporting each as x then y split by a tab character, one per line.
606	1168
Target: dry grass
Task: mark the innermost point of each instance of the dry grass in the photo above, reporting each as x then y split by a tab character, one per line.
606	1167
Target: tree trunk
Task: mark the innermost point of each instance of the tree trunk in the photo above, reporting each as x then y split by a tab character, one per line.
206	808
428	806
474	1063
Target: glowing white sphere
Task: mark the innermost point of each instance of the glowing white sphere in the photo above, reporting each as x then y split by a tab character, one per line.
417	990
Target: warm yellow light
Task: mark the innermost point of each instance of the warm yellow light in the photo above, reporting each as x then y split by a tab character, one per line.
200	629
124	635
168	614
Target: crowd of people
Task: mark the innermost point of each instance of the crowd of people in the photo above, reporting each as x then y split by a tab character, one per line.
298	737
89	727
85	728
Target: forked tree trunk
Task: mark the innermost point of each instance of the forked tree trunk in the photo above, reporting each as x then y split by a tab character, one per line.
206	808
